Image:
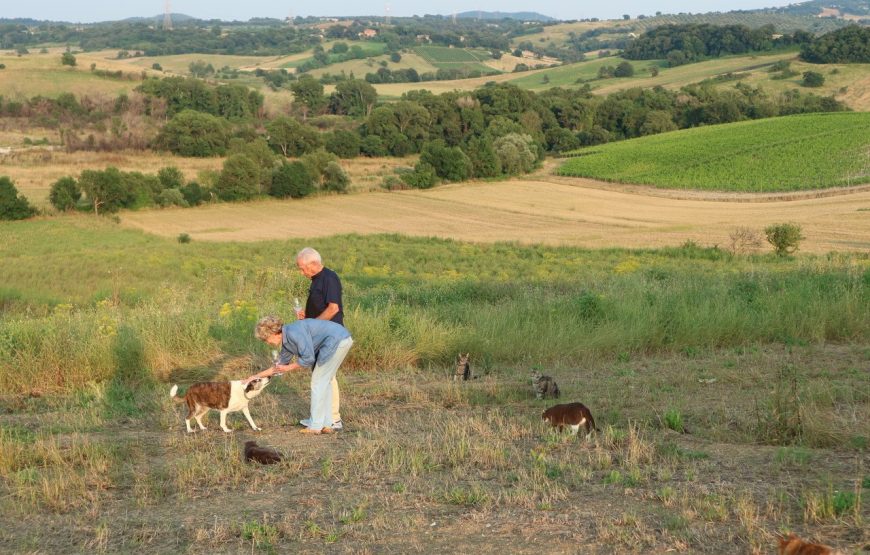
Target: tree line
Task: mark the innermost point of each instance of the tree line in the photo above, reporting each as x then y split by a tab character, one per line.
844	46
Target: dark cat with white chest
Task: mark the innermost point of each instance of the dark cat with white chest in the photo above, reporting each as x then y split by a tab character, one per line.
572	415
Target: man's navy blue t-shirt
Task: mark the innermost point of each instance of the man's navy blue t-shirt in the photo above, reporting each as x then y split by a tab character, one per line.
325	288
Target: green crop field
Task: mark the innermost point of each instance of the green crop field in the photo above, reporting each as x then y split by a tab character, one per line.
455	58
802	152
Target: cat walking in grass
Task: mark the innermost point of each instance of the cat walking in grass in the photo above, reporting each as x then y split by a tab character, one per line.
463	368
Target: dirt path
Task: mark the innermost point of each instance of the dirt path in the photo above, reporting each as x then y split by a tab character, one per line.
538	209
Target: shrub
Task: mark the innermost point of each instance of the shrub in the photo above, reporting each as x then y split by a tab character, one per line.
170	177
65	193
373	145
743	240
171	197
184	238
335	178
449	163
316	162
344	144
105	189
624	69
813	79
423	176
291	180
785	238
239	179
157	67
194	194
67	59
13	206
192	133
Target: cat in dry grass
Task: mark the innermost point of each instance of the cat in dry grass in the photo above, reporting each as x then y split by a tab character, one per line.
262	455
572	415
793	545
544	386
463	368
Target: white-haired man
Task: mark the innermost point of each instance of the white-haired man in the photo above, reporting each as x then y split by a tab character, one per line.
324	303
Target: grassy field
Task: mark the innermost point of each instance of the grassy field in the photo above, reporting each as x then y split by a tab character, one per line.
731	393
546	209
813	151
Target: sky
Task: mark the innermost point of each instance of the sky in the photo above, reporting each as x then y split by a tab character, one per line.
86	11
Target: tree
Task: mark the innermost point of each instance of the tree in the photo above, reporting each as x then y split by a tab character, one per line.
624	69
516	152
104	189
13	206
192	133
290	137
353	97
785	238
484	160
200	68
67	59
395	57
291	180
316	162
194	194
239	179
343	143
308	94
813	79
65	193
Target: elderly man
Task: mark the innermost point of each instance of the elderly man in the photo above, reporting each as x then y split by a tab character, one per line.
324	303
317	344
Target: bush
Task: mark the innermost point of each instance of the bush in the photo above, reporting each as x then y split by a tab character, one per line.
291	180
194	194
335	178
183	238
239	179
423	176
13	206
170	177
373	145
449	163
192	133
785	238
171	197
65	194
813	79
344	144
67	59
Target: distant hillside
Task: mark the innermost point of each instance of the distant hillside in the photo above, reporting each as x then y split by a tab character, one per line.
521	16
176	18
832	8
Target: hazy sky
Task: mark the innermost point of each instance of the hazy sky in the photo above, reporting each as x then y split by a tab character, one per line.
88	10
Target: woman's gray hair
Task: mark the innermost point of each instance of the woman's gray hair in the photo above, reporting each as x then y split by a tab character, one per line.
267	327
307	255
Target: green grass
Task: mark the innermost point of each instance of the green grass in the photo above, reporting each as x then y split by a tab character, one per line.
88	301
443	57
813	151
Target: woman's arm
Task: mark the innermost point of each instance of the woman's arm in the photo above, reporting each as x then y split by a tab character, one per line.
277	369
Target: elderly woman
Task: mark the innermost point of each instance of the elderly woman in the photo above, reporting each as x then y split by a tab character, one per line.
318	344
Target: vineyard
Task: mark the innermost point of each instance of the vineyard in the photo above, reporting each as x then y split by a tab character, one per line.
780	154
443	57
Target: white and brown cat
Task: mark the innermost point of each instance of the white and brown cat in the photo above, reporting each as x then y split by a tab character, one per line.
572	415
225	397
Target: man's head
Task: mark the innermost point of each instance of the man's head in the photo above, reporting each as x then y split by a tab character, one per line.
268	329
309	262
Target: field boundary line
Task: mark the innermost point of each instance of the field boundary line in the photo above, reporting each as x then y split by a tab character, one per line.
715	196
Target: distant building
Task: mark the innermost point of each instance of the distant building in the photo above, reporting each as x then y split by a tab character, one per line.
368	34
424	38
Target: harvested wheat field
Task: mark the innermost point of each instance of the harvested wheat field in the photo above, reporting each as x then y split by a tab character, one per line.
554	211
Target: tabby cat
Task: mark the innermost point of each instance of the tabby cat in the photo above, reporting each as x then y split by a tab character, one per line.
463	368
544	386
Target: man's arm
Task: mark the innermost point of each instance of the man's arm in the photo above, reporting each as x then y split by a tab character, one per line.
330	311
